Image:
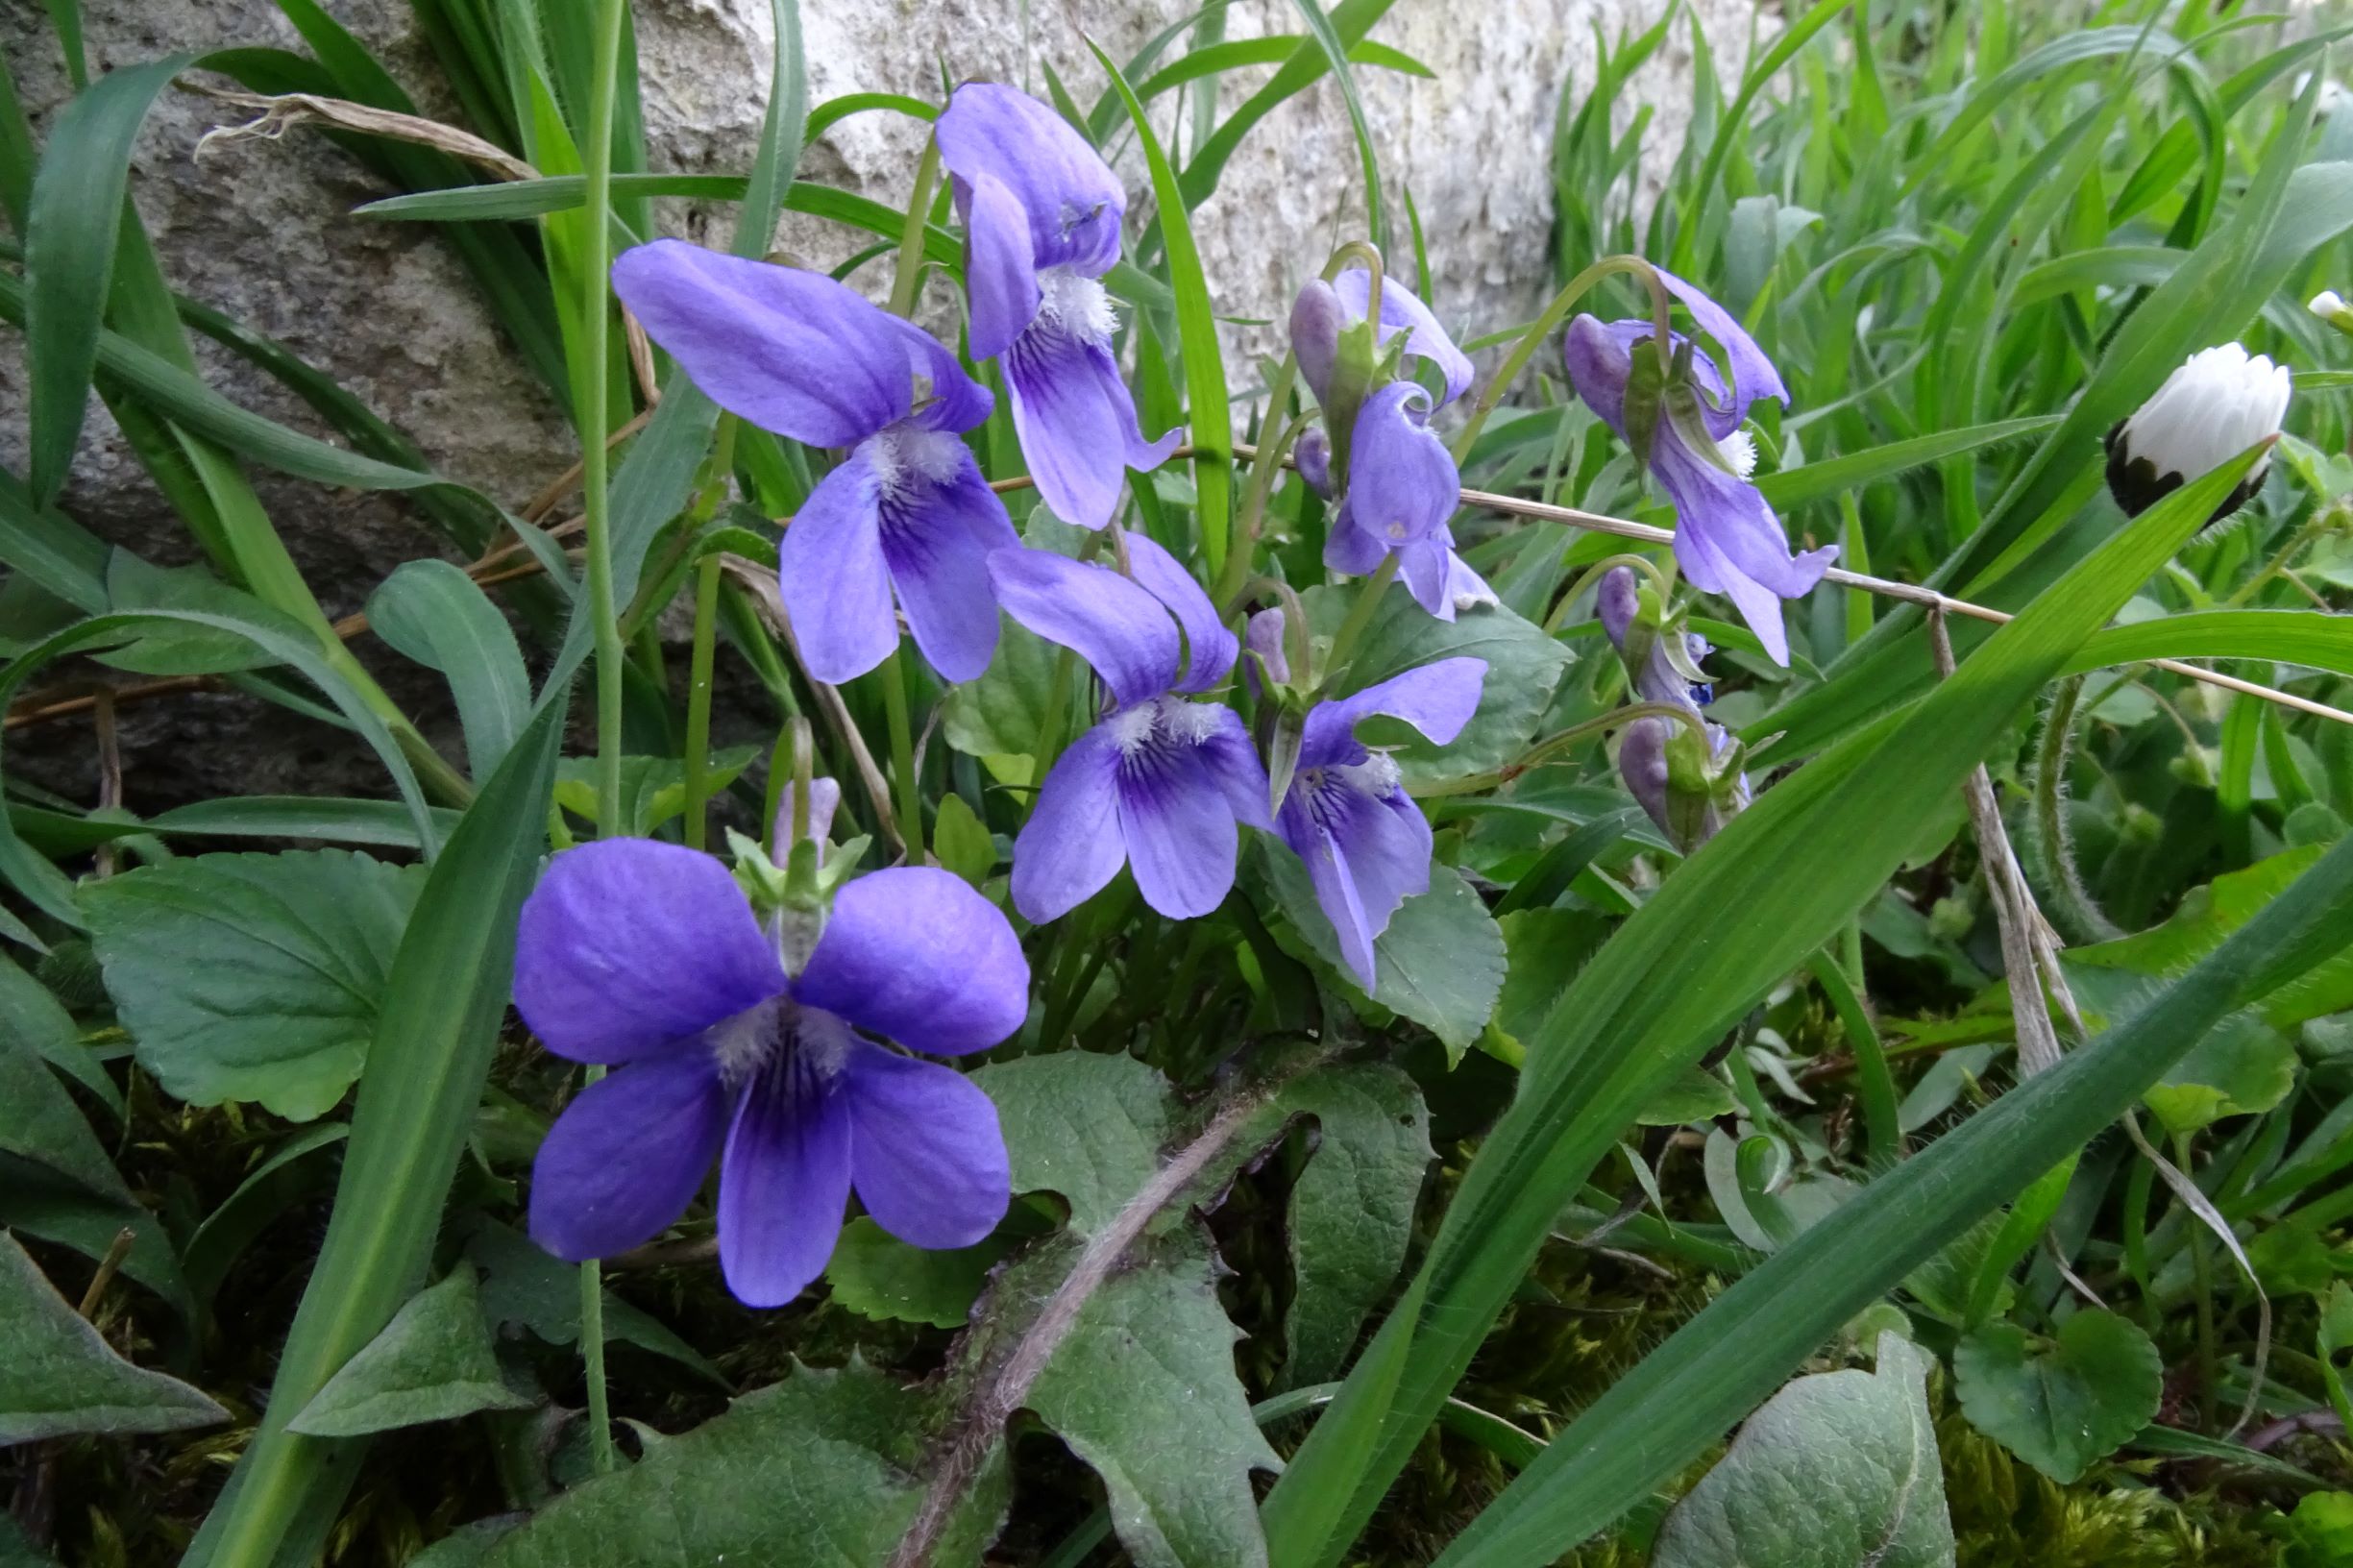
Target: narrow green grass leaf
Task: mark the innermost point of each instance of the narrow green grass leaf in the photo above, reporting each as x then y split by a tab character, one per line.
1204	369
2314	638
1335	54
1654	998
434	613
427	1065
1793	487
75	218
782	130
1351	20
1734	123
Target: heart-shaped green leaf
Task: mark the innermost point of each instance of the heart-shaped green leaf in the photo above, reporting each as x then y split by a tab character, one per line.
2060	1407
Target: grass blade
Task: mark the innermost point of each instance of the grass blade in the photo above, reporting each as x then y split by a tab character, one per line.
76	217
1204	369
443	1002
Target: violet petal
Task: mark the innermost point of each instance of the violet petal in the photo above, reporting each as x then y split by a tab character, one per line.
627	1156
926	1154
628	947
914	954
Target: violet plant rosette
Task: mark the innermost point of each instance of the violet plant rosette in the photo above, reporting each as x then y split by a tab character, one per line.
1726	540
1159	783
1346	815
1042	212
1401	485
907	513
648	957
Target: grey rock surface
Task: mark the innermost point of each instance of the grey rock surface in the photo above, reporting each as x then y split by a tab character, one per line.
262	230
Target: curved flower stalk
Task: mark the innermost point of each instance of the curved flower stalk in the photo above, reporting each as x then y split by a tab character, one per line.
1684	421
1161	782
906	513
1688	788
2215	405
1042	212
649	957
1399	485
1367	844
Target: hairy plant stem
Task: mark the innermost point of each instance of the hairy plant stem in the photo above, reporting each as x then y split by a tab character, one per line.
2079	917
1560	741
706	635
902	753
998	1392
589	384
2322	520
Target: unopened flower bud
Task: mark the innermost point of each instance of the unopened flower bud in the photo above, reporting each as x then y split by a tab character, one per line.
2214	407
1263	637
1316	320
1690	788
1312	453
1634	623
2330	306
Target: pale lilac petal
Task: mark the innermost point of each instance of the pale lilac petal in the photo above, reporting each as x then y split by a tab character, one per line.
824	799
915	955
958	402
937	544
1335	890
1754	376
627	1156
1229	757
1210	649
1077	423
927	1153
784	1179
1401	312
1176	819
1312	455
1119	629
1264	636
628	947
1350	549
1401	482
1465	588
1000	273
1072	200
1642	763
1316	319
1070	850
1387	840
1437	699
1426	567
832	577
1728	541
789	351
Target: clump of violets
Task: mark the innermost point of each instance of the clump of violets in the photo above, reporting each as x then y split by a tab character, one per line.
1674	408
1396	483
2215	405
906	512
1042	214
1685	775
753	1037
1161	781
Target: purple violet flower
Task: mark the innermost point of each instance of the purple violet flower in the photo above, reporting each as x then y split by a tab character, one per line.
1403	485
1042	212
649	957
1161	781
1367	844
907	511
1727	540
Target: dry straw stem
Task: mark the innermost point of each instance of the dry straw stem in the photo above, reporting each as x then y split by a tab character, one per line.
283	112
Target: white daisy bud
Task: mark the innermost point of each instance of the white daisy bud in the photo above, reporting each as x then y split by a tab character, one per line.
2330	306
2214	407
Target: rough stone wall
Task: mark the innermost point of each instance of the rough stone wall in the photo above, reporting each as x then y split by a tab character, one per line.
262	230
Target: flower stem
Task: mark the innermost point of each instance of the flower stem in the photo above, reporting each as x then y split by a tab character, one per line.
589	384
902	754
1541	329
1360	616
907	281
2322	520
1562	740
698	703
